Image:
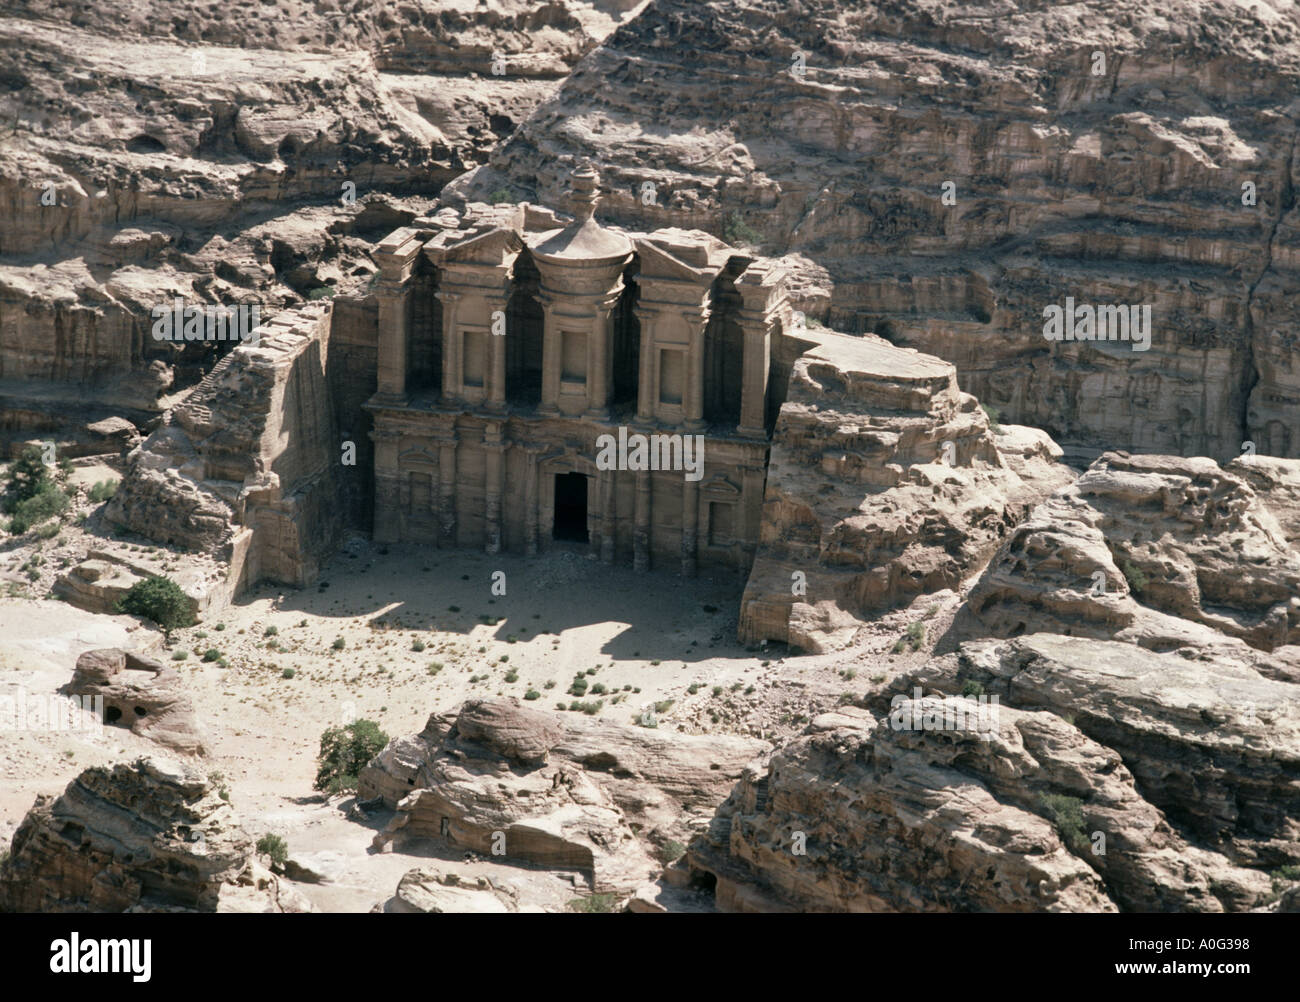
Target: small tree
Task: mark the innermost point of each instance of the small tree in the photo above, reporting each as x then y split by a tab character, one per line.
27	477
275	847
158	598
344	752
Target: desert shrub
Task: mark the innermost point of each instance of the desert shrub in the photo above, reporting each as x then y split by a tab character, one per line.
270	631
418	646
1137	581
532	694
992	413
275	847
344	752
288	673
158	598
103	490
47	503
602	903
27	477
212	654
670	851
972	688
738	233
180	654
1067	814
339	643
579	687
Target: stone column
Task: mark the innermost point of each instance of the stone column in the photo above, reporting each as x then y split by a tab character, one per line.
393	330
396	256
753	475
447	491
496	380
690	526
387	527
550	403
641	534
607	503
451	366
645	404
693	391
494	477
754	375
530	504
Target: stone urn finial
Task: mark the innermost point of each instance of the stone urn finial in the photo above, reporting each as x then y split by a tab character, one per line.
584	193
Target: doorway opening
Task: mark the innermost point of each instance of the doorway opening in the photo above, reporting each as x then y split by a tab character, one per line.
570	507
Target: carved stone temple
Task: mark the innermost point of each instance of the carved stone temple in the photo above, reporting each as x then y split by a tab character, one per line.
511	340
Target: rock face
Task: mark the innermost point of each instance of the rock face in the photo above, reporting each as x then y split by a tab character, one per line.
885	482
179	149
431	891
1159	550
142	694
248	468
504	780
1160	173
1106	777
149	836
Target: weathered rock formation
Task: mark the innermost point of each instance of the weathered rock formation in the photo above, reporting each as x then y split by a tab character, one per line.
1158	550
228	154
1107	777
885	482
149	836
249	469
560	792
140	693
1099	151
431	891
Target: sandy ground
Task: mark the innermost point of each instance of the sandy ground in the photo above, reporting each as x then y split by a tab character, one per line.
421	629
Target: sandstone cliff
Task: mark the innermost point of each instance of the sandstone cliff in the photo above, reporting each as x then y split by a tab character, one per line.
885	482
1098	150
558	791
149	836
1109	778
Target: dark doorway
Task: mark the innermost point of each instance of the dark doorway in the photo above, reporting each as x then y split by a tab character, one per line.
570	507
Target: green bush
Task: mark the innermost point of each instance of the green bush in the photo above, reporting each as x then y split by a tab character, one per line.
602	903
288	673
670	851
738	233
339	643
103	490
180	654
418	646
48	502
27	477
1067	814
972	688
275	847
211	654
158	598
1137	581
344	752
532	694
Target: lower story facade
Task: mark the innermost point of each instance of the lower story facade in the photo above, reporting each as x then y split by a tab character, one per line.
526	483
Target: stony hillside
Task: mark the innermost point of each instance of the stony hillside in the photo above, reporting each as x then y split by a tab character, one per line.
1094	150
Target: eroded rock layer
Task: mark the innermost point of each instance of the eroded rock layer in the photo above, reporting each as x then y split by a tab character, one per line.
953	169
885	482
148	836
513	783
1104	777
